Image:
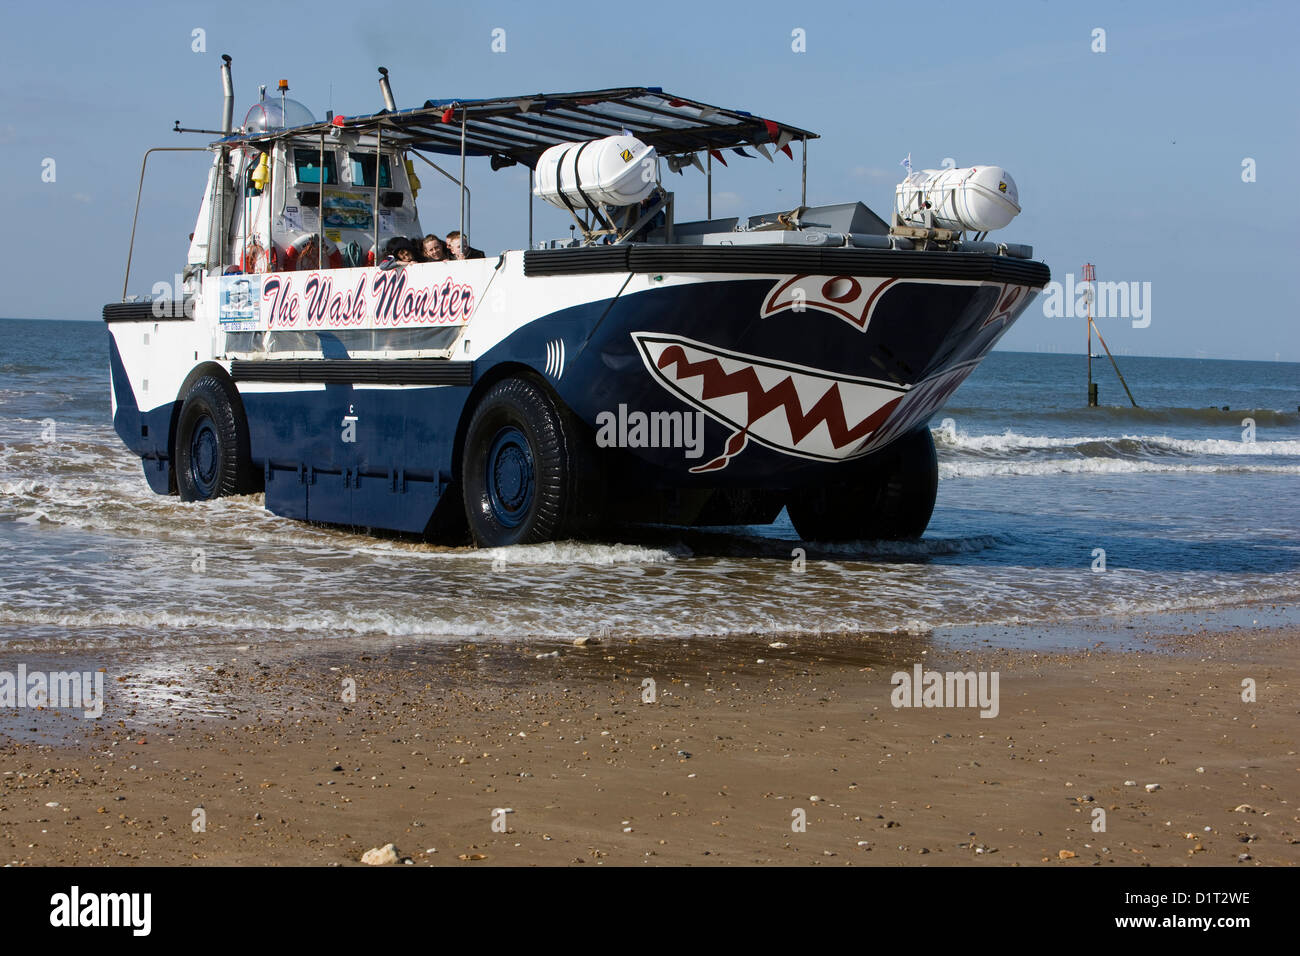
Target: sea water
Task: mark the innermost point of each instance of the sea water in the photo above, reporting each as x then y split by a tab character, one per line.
1048	511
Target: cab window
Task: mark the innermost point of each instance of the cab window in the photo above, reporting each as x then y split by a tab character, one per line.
306	164
363	170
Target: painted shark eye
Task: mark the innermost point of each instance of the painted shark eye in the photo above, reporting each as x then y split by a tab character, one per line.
842	289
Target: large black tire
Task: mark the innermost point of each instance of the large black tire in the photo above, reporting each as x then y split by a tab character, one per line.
526	474
890	497
212	448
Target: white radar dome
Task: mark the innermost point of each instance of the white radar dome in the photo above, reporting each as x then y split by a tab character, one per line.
266	115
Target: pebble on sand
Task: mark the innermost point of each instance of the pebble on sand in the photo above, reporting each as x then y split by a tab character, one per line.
380	856
1152	787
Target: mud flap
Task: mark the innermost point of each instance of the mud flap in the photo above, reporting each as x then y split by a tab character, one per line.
397	500
286	490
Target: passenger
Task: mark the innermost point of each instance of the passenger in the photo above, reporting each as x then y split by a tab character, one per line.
400	248
458	249
435	250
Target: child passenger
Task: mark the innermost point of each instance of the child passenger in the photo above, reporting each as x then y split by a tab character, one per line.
456	246
435	250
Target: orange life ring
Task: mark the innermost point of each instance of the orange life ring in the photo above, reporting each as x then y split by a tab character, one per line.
302	254
257	258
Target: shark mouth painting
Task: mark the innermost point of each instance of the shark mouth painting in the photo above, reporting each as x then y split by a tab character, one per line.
793	409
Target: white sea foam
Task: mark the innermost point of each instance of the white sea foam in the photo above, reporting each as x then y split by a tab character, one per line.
1014	442
579	552
1099	466
1216	446
1005	597
152	624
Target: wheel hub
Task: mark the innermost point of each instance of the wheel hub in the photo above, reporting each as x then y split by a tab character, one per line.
205	456
511	477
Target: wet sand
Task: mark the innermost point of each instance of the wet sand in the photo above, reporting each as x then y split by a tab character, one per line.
260	747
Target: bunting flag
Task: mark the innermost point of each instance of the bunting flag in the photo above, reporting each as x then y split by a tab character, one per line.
447	114
718	156
740	151
783	143
772	129
706	112
695	159
763	150
524	105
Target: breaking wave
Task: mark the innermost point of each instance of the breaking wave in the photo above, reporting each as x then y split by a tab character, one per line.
1099	466
1212	417
963	455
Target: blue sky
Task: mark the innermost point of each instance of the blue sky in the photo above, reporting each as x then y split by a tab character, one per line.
1129	158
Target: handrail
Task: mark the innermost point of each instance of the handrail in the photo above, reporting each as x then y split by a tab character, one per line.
469	198
140	192
464	232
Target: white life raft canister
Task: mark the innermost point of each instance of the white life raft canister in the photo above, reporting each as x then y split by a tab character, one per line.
975	198
616	171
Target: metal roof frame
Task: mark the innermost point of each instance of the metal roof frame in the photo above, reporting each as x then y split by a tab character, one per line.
523	127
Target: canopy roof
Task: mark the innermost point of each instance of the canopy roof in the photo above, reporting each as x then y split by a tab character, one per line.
522	127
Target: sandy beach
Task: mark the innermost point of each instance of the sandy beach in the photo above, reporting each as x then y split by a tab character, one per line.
260	756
